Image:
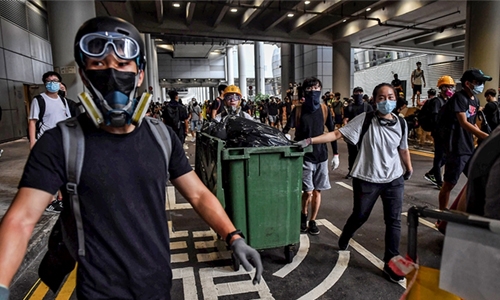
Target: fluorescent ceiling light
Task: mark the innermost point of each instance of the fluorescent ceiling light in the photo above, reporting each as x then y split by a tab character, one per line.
368	9
177	5
307	2
343	21
290	15
234	9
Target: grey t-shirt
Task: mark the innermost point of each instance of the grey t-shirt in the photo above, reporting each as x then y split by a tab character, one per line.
195	113
378	160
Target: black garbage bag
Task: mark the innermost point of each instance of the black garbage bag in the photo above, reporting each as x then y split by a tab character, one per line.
242	132
214	128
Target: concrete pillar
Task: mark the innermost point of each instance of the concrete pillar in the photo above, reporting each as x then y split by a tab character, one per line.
149	79
287	67
242	72
230	65
62	34
154	65
366	63
480	31
260	80
163	94
341	64
394	55
212	93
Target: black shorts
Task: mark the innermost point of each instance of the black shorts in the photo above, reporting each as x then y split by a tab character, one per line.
417	88
454	166
338	119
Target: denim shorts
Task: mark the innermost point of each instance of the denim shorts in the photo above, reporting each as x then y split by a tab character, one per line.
315	176
272	118
195	125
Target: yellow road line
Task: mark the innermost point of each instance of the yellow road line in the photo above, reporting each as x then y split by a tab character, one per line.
69	286
422	153
40	291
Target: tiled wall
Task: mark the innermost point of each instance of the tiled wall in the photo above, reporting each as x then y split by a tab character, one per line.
314	61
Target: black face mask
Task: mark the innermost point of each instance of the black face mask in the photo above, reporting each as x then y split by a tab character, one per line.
61	94
358	99
109	81
312	100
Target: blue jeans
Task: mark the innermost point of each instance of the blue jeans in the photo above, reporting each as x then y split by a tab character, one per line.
365	195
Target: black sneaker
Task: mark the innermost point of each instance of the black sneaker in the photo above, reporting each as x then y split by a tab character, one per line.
303	223
313	229
348	176
391	275
343	243
55	206
430	178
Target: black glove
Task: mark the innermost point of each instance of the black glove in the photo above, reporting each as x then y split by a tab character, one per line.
304	143
244	252
407	174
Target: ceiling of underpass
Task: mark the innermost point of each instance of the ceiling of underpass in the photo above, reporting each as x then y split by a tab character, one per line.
423	26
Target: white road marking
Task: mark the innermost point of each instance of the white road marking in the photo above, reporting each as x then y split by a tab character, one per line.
170	204
299	257
205	233
331	279
423	222
176	234
179	257
188	282
212	291
217	255
178	245
343	184
356	246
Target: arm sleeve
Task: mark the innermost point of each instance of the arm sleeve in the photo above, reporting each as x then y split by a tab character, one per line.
34	110
352	130
178	164
290	123
404	139
45	168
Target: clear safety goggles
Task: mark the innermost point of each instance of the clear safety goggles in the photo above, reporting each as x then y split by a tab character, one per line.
95	44
232	97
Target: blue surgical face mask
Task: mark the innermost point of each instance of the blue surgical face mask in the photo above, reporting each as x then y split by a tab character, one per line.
478	89
386	107
52	87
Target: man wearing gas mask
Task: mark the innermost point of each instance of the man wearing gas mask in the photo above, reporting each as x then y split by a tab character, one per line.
354	109
122	185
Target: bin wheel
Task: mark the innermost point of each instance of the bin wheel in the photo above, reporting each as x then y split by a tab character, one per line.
236	262
289	253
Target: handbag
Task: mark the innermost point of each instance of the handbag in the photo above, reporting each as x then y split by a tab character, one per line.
485	127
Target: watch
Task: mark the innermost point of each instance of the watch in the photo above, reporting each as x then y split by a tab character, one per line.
231	234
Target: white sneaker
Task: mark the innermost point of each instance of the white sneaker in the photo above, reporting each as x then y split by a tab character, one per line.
185	147
335	162
193	139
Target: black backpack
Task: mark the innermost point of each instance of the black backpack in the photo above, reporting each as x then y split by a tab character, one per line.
171	116
426	119
41	105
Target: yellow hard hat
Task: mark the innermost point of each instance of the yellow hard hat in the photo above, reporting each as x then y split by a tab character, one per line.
445	80
231	89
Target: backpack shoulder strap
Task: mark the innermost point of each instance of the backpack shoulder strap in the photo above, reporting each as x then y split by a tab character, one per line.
74	151
403	126
41	113
366	124
298	113
162	136
324	108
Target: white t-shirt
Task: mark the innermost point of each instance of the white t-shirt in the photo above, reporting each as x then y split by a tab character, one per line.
378	160
55	111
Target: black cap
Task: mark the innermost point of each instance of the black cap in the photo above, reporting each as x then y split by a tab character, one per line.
474	74
357	89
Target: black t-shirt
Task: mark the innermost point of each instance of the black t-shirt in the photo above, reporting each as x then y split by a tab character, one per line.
462	140
491	114
217	105
311	125
122	199
396	83
288	106
353	110
272	109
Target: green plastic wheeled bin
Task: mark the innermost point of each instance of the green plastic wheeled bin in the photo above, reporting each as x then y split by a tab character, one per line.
261	190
